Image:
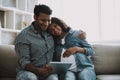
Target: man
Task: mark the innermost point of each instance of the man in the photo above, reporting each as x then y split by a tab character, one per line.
34	47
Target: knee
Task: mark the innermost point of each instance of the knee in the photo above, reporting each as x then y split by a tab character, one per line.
70	76
52	77
25	75
87	74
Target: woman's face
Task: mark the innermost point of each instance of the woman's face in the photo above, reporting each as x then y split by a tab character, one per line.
55	29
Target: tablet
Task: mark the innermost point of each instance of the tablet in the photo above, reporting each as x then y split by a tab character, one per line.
60	67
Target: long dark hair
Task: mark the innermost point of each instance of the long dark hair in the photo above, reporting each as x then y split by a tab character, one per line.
57	40
62	24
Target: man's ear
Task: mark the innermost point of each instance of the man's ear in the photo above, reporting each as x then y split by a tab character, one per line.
35	17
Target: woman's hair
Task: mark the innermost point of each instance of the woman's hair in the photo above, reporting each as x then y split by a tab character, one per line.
62	24
64	28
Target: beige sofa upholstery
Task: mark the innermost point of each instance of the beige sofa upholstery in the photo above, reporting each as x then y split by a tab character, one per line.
8	62
106	60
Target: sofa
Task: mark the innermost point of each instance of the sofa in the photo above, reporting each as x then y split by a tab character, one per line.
8	62
106	60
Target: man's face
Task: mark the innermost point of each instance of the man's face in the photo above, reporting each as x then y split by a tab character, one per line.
43	21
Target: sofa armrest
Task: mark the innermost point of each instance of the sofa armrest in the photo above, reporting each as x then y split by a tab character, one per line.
8	61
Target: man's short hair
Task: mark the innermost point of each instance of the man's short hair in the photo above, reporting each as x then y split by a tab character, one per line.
41	8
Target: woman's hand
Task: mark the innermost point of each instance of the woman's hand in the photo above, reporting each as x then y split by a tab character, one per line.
69	52
73	50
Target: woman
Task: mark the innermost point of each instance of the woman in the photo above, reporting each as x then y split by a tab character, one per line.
75	44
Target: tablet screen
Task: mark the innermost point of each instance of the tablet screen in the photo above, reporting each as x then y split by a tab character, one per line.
60	67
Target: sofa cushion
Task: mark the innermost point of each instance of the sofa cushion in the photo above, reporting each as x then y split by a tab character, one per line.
8	61
108	77
106	59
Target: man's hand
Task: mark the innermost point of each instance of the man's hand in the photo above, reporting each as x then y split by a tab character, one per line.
82	35
45	71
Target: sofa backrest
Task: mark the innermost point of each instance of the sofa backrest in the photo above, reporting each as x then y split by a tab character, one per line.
106	59
8	61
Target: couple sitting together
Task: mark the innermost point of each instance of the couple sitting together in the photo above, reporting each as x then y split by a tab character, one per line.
41	42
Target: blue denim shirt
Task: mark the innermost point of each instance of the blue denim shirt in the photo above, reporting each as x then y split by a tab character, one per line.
33	47
71	40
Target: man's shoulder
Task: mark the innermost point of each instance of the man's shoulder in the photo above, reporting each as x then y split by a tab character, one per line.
25	31
22	34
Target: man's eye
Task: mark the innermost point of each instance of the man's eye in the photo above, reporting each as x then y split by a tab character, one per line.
44	20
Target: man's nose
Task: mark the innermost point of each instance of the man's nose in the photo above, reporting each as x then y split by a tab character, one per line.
46	23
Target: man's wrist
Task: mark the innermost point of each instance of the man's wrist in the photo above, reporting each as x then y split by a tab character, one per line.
30	67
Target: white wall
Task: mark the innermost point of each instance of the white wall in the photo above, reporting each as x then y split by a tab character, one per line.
99	18
110	19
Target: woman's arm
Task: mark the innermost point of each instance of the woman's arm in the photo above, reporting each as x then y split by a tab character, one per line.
73	50
84	48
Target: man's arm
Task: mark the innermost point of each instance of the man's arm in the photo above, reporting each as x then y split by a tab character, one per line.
45	71
23	52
